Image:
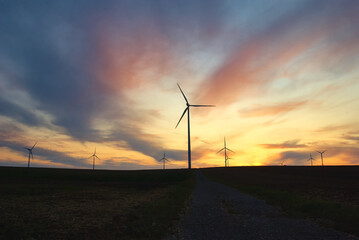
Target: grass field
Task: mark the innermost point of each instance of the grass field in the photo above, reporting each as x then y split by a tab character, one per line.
328	195
83	204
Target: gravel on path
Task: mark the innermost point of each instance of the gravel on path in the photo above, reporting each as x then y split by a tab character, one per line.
220	212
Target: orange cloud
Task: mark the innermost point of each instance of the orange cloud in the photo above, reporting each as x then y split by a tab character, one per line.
287	144
269	110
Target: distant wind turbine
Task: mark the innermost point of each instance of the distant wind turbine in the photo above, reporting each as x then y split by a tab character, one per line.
189	134
311	159
225	152
94	156
321	156
228	161
30	154
164	159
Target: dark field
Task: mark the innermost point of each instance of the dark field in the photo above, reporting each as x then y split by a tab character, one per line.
83	204
328	195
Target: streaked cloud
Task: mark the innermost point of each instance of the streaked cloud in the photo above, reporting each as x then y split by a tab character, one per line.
272	109
286	144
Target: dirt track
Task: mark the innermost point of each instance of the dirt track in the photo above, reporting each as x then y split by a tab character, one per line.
220	212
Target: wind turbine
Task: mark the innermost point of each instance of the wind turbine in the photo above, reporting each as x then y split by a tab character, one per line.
311	159
228	161
94	156
225	152
321	155
164	159
30	154
189	134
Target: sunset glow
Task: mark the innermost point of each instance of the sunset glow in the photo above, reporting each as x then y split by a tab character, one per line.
283	75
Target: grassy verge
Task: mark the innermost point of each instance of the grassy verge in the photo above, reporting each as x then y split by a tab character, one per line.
333	214
82	204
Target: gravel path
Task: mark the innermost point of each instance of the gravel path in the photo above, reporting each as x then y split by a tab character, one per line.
221	212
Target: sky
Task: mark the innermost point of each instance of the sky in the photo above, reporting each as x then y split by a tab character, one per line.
80	75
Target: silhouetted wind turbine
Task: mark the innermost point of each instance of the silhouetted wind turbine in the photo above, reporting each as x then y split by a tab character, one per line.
164	159
225	152
311	159
321	156
30	154
228	161
94	156
189	134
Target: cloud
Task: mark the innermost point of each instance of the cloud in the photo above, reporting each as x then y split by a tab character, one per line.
270	52
272	109
147	144
286	144
291	157
333	128
334	155
49	155
18	113
352	137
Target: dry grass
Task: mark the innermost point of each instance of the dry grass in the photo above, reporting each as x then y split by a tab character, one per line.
44	204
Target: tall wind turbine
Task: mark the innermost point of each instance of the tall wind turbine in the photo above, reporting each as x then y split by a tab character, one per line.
311	159
189	134
164	159
225	152
94	156
30	154
321	156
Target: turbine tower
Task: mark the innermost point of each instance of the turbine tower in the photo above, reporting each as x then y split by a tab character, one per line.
225	152
189	134
164	159
321	156
311	159
94	156
30	154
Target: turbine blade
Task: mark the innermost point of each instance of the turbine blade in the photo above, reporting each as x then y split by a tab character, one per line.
182	93
97	157
94	151
224	141
33	146
202	105
220	150
182	116
230	150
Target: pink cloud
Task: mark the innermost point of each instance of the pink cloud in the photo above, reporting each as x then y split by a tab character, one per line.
131	57
258	61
